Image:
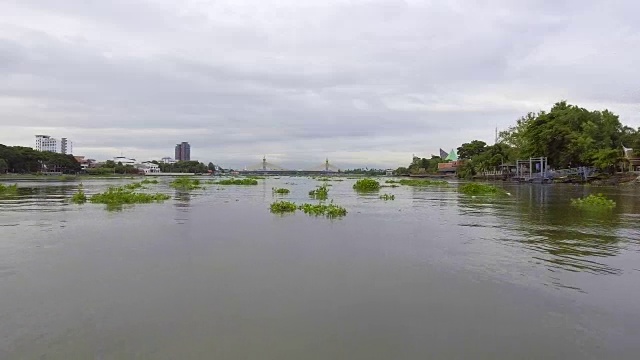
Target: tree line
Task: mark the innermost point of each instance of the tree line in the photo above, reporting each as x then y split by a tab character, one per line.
568	135
20	159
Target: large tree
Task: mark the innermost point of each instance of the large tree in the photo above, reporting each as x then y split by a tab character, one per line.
469	150
567	135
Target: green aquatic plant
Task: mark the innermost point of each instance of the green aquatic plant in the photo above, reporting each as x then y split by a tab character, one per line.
280	191
149	181
133	186
328	210
185	183
8	189
391	181
280	207
387	197
423	182
256	177
79	197
238	182
481	189
366	185
323	179
594	202
321	193
118	196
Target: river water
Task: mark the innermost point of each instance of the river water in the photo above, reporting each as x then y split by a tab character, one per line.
212	274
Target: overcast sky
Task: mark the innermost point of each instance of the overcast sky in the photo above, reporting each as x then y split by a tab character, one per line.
365	83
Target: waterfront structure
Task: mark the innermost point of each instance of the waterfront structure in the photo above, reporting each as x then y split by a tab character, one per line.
147	167
183	151
124	160
85	163
48	143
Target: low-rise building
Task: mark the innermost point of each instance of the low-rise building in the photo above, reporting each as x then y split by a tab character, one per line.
148	167
124	160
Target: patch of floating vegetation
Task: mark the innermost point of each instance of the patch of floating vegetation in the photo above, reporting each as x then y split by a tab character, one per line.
594	202
280	191
115	197
256	177
149	181
387	197
328	210
323	179
79	197
8	189
237	182
423	182
321	193
133	186
366	185
481	189
391	182
281	207
185	183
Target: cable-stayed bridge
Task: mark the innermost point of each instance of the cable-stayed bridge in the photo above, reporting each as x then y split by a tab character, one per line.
267	168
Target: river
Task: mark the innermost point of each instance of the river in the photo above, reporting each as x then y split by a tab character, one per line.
212	274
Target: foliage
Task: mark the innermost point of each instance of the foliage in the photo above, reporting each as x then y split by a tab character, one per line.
20	159
283	207
472	149
183	167
79	197
118	196
594	202
481	189
391	182
185	183
366	171
423	182
328	210
132	186
402	171
606	159
281	191
8	189
238	182
4	166
387	197
568	135
149	181
423	166
366	185
323	179
321	193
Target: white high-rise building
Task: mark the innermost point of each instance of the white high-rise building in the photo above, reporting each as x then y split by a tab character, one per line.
47	143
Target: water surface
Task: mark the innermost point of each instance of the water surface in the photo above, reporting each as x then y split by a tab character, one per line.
212	274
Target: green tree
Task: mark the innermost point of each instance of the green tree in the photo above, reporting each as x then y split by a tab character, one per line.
211	167
3	166
469	150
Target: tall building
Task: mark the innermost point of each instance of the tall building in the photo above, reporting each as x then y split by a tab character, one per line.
183	151
47	143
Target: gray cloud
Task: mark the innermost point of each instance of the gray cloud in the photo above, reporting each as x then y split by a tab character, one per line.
367	83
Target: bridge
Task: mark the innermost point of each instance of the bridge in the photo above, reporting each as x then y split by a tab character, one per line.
267	168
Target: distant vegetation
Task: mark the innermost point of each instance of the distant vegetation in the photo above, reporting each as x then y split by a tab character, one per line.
280	207
328	210
238	182
280	191
366	185
321	193
8	189
115	197
20	159
423	182
185	183
79	197
387	197
481	189
594	202
149	181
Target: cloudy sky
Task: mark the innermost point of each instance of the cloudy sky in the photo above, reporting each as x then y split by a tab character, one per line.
363	82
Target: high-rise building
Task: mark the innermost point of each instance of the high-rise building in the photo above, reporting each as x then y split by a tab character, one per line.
47	143
183	151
